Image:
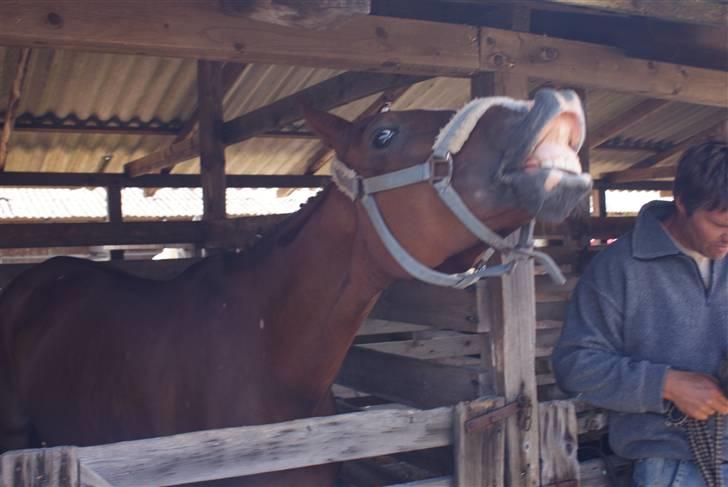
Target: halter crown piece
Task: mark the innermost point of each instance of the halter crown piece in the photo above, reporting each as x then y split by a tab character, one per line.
438	170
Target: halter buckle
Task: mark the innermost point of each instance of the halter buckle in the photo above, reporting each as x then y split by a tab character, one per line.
441	168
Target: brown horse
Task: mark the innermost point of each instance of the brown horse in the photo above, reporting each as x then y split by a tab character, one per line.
90	355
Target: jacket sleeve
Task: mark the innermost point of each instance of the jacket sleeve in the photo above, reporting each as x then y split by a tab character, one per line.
589	359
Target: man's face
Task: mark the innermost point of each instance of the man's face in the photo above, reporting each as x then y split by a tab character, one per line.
707	232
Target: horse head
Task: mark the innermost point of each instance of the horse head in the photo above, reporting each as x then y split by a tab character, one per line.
434	183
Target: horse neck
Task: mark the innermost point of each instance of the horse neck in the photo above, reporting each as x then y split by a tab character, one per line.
328	283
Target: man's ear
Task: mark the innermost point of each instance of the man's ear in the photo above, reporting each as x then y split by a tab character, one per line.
334	131
682	211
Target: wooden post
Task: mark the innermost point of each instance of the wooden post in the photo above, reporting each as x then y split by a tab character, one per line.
212	149
478	456
47	467
510	302
113	204
559	444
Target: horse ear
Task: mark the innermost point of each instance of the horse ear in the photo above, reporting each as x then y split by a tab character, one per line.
334	131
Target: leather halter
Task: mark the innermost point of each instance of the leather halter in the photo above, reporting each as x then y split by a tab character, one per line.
438	170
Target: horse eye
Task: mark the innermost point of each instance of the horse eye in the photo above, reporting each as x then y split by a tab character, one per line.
383	138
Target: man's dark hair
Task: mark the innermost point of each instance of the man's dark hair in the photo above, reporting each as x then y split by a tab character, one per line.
701	181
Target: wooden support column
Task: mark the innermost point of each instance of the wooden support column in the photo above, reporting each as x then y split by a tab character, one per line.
212	149
508	305
113	204
16	90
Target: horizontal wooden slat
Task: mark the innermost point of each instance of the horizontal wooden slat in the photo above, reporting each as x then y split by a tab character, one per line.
60	179
232	452
582	64
406	380
440	347
234	232
425	304
196	29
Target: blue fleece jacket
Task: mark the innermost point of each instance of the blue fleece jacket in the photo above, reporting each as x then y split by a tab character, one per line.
639	309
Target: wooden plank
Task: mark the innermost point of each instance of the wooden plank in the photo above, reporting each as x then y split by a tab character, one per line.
212	150
311	15
235	232
47	467
407	380
424	304
196	29
433	348
582	64
434	482
373	326
62	179
624	120
559	443
248	450
16	92
326	95
479	456
163	158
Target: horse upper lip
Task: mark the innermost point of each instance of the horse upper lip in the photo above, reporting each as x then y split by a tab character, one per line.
557	144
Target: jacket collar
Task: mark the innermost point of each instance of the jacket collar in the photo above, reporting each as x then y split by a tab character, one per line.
649	238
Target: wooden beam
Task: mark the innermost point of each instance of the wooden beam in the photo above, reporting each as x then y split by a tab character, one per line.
16	91
200	30
248	450
411	381
478	455
326	95
234	233
80	180
212	150
163	158
324	154
194	29
583	64
624	120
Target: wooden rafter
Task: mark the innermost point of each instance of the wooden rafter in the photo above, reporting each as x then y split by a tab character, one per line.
193	29
624	120
326	95
644	174
16	91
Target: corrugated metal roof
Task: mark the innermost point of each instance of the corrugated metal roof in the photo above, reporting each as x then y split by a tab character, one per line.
106	85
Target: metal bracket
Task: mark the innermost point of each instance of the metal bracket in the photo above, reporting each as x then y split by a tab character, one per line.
521	407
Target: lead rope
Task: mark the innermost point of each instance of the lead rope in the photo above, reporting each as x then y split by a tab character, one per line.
706	443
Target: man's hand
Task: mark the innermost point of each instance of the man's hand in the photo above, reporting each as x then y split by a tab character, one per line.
697	395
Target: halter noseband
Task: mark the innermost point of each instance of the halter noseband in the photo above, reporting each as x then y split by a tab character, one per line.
437	170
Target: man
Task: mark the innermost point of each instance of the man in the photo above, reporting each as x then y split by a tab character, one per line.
647	326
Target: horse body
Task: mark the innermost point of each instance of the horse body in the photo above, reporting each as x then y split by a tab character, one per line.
89	355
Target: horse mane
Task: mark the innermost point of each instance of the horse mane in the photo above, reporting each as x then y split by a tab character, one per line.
283	233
